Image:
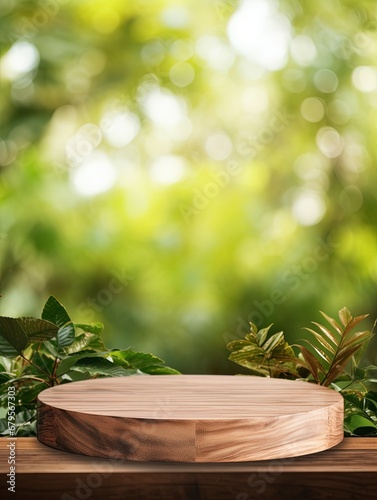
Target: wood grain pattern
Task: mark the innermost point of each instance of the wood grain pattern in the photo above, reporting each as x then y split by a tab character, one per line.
190	418
347	471
350	456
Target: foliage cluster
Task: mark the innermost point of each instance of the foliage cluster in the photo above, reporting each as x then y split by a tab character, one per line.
332	359
37	353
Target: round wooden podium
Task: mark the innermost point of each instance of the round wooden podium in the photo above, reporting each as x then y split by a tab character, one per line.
190	418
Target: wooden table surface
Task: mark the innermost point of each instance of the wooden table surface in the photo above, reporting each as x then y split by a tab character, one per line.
190	418
351	455
347	471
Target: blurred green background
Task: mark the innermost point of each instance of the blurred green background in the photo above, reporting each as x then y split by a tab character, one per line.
176	169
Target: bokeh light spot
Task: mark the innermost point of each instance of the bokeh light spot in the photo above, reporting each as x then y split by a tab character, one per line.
163	107
95	175
312	109
20	59
182	49
168	169
260	33
218	146
303	50
182	74
308	208
329	142
326	81
176	16
364	78
255	100
120	128
215	52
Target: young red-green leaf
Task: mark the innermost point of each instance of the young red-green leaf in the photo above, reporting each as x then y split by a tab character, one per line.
338	365
353	323
332	322
327	332
357	338
321	340
345	316
319	351
313	364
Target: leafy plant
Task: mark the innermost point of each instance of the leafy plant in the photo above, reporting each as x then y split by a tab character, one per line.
40	353
270	357
332	359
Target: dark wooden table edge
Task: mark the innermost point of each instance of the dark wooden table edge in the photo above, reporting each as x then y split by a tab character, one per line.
351	455
348	471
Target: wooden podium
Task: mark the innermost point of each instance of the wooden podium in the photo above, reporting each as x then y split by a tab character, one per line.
190	418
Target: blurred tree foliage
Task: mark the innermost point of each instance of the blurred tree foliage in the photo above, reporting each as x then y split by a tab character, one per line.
176	169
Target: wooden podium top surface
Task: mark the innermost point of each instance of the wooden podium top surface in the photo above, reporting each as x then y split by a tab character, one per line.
190	397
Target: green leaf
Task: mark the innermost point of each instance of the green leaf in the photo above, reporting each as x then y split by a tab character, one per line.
38	330
100	366
262	335
247	352
65	336
65	364
3	426
253	329
357	357
160	370
51	349
359	374
145	362
371	401
85	341
30	394
5	377
356	422
265	356
54	311
273	341
24	416
236	345
95	328
13	339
